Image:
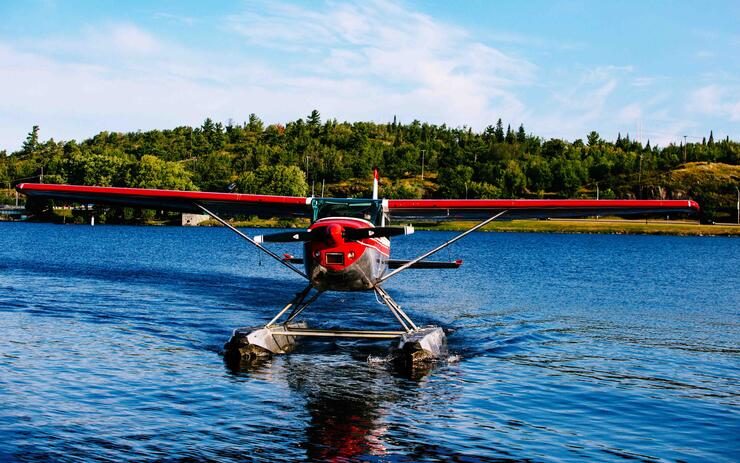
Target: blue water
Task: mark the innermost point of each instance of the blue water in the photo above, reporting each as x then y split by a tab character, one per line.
566	347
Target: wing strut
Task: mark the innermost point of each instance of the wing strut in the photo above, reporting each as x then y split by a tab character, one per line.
439	248
262	248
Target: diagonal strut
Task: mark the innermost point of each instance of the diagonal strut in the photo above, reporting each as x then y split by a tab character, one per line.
438	248
262	248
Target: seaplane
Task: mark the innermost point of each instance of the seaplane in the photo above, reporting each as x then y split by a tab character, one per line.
346	248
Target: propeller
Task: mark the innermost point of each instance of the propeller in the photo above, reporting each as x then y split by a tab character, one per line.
349	234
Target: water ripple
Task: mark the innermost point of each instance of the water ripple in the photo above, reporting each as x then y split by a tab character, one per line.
563	347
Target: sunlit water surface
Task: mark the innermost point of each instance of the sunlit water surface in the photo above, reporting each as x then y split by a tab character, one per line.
565	347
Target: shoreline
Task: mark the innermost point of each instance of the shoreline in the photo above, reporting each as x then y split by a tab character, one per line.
608	226
569	226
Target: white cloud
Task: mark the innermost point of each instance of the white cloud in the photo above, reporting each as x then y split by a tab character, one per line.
175	18
716	100
401	55
630	113
128	38
645	81
580	106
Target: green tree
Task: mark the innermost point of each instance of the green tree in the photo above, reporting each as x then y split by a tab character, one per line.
483	190
274	180
509	135
539	176
499	131
152	172
4	174
97	169
213	172
608	194
553	148
521	135
454	181
593	138
255	124
32	141
566	176
314	119
513	181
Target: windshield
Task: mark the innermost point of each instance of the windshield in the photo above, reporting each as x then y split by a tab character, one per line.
367	209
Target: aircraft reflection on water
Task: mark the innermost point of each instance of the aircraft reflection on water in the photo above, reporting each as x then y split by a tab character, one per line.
349	402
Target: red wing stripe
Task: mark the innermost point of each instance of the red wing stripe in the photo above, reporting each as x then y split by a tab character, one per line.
168	194
462	209
422	204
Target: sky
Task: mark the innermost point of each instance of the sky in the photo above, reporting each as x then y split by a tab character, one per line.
657	70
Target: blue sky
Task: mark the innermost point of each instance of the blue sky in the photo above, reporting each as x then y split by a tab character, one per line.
657	70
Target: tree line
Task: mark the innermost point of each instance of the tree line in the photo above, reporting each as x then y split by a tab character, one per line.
292	159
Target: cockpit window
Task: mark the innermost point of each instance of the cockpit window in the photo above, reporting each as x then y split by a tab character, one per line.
367	209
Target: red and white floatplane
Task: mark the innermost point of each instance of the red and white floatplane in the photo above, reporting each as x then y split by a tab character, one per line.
346	247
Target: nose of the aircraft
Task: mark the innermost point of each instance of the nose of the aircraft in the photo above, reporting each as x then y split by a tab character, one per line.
334	233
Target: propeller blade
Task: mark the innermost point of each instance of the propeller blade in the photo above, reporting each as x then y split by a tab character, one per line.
354	234
292	236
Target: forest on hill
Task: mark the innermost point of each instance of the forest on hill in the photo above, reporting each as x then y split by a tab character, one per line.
337	157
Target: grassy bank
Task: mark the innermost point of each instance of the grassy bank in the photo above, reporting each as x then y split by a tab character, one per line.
606	226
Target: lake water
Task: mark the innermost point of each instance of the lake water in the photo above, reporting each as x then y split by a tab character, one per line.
565	347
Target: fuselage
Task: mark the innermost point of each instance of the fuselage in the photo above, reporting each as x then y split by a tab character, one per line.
333	263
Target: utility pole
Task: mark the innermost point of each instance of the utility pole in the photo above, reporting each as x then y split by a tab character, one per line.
42	174
639	177
597	192
306	168
422	172
684	149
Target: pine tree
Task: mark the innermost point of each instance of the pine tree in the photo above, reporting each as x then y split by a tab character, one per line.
521	135
208	126
509	135
711	138
255	123
593	138
499	132
32	141
489	134
314	119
